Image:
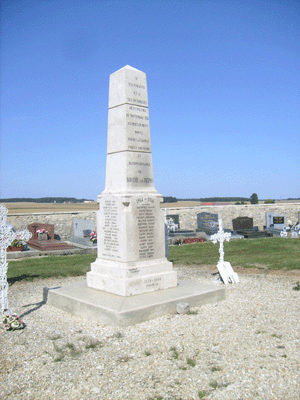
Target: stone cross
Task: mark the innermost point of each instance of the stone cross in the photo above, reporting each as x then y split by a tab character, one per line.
7	236
221	236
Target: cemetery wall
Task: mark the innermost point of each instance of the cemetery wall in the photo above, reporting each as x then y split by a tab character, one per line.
63	221
188	215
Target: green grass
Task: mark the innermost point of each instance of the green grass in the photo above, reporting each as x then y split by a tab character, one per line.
191	362
267	253
52	266
297	287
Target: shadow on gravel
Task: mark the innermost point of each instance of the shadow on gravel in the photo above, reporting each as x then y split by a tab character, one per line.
24	277
37	306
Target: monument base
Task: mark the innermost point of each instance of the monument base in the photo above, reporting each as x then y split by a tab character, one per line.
131	278
48	245
111	309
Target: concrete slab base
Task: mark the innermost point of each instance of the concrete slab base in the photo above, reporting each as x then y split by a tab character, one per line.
112	309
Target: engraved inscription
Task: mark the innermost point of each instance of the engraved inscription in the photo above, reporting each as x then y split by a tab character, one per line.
146	221
278	220
152	282
137	119
135	179
111	229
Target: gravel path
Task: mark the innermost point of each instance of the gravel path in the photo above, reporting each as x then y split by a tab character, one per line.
246	347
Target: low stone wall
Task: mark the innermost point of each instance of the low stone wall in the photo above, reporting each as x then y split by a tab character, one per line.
188	215
63	221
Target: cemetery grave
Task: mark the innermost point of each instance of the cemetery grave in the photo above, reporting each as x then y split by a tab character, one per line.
81	232
244	226
224	267
43	238
207	222
275	223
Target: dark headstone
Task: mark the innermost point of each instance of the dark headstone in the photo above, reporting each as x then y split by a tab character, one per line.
207	222
34	227
242	223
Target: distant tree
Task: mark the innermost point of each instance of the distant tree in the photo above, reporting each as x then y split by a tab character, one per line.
170	199
254	198
269	201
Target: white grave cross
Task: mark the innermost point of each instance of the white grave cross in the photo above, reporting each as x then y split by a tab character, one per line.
224	267
171	226
7	236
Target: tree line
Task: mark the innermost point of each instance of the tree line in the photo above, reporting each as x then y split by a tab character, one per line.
43	200
170	199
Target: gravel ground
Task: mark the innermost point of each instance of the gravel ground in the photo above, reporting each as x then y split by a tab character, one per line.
246	347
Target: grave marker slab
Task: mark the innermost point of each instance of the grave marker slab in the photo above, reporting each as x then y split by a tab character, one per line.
275	223
207	222
81	230
242	223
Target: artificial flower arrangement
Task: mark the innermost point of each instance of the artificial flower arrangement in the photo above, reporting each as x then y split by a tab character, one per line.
12	321
93	236
16	243
42	230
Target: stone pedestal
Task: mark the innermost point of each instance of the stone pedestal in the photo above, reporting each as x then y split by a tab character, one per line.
131	247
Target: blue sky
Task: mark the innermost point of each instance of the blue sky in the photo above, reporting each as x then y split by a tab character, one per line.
223	87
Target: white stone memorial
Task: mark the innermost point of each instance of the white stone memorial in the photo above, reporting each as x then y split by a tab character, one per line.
224	267
131	280
130	223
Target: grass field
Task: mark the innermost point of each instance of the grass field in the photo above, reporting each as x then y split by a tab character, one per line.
265	253
20	208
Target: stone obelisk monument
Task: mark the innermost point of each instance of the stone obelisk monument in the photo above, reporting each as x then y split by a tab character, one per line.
124	285
130	223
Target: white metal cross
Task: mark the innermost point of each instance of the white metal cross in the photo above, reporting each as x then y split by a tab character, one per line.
221	236
7	236
224	267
